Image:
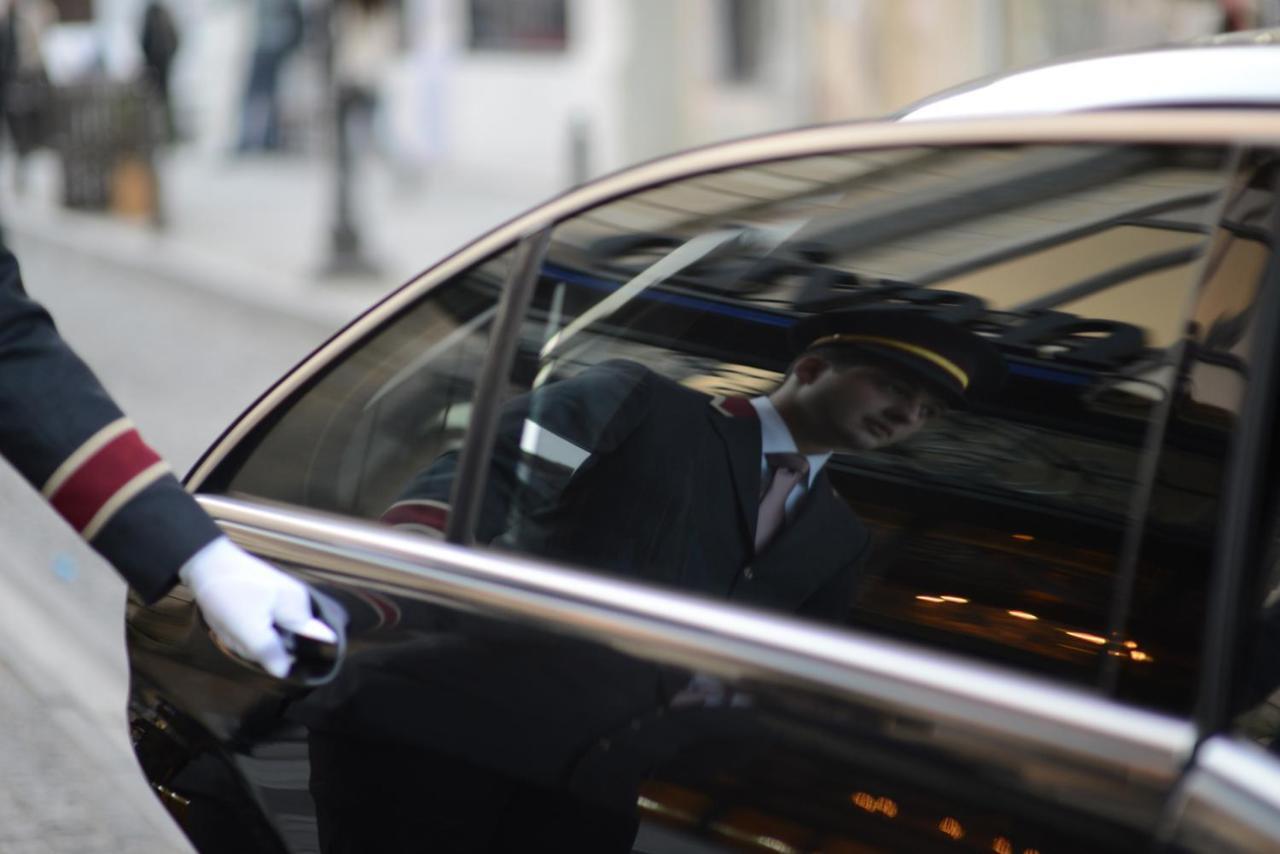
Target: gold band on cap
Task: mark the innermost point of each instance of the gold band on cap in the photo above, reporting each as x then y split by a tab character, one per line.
939	360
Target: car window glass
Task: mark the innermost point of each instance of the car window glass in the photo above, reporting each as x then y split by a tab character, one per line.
1002	530
393	402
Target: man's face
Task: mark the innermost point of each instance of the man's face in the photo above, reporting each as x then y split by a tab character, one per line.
863	407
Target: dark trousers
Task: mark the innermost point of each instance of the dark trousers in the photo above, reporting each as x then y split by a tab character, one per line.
398	800
260	113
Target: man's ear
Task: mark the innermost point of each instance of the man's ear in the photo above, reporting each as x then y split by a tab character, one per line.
806	369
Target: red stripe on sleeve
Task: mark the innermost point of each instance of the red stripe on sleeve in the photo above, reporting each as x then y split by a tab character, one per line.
417	514
100	477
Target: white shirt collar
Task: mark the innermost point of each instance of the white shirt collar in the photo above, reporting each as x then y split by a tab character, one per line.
775	437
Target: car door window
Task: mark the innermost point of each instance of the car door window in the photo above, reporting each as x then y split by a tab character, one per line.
1011	531
389	404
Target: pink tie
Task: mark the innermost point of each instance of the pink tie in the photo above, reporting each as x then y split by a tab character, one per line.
787	470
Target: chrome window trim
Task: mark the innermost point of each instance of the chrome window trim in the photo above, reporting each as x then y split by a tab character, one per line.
1243	766
1157	126
1228	801
962	697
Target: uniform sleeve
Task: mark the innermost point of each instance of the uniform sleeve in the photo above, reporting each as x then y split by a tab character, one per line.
63	433
544	438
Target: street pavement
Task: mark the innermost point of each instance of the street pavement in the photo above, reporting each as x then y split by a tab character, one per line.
185	326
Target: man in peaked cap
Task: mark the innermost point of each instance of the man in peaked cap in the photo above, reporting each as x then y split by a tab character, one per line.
622	470
868	378
62	432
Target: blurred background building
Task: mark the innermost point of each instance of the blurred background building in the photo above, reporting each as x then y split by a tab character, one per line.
551	90
460	113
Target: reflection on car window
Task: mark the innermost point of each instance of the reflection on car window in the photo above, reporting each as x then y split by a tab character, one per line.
1011	526
397	400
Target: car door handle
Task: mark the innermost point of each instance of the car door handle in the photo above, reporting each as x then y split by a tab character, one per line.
316	662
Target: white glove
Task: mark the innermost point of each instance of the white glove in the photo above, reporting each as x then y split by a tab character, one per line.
243	598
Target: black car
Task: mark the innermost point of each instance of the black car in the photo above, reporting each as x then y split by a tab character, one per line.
1063	639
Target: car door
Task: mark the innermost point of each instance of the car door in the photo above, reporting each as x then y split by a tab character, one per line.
533	660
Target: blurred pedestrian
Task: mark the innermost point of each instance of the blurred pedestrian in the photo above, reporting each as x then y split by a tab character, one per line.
363	39
25	92
159	46
365	42
1237	15
8	52
63	433
278	26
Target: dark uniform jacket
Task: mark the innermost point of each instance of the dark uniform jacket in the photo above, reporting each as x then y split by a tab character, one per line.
622	470
63	433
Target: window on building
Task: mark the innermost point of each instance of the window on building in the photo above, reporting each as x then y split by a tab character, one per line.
531	25
72	11
743	28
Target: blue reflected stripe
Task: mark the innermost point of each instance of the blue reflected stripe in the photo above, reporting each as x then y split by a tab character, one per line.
1065	377
653	295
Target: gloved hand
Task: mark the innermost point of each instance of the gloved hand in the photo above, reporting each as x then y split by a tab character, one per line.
241	598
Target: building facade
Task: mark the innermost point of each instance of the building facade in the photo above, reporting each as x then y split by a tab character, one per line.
553	91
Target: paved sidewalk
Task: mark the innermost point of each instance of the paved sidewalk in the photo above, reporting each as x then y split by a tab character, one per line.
70	782
256	228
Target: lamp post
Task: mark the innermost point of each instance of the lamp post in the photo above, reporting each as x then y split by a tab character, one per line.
346	257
